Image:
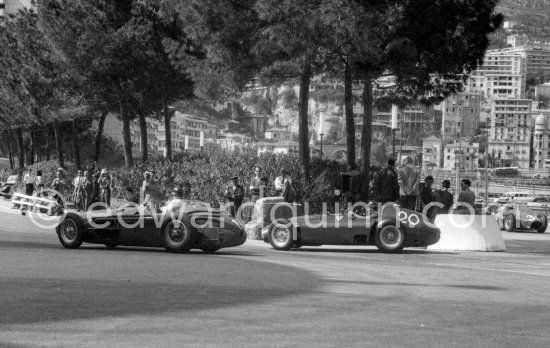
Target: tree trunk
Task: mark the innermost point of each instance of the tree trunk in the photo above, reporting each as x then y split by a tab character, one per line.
303	130
167	131
99	135
59	144
48	139
32	149
126	137
76	147
10	153
143	135
350	123
20	148
366	137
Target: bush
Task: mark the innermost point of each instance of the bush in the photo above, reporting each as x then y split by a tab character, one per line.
209	175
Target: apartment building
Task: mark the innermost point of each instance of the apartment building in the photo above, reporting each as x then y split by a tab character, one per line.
510	136
503	74
536	55
461	113
461	155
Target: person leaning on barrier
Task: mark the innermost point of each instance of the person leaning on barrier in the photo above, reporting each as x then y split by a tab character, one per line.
427	196
409	178
444	197
387	186
39	183
28	179
466	198
280	182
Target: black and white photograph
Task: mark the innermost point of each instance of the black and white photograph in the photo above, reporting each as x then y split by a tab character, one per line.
274	173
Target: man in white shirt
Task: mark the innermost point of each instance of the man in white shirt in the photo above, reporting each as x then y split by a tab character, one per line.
28	179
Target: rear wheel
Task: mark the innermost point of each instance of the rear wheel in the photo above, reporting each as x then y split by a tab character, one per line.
509	222
280	237
71	231
178	235
390	239
544	221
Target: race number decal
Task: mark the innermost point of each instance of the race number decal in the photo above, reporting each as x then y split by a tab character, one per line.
412	219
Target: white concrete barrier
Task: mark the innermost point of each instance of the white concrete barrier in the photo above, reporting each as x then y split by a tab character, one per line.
468	233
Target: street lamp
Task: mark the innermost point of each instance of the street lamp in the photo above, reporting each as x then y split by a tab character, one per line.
321	135
201	141
393	127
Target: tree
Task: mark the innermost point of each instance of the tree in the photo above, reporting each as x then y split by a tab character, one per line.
385	37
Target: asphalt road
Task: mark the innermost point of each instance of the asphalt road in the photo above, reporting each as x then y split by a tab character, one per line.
255	296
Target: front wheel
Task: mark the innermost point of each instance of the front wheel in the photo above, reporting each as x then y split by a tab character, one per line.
71	232
280	237
390	239
509	222
544	221
178	235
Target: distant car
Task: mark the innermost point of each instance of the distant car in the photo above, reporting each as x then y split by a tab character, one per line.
390	234
515	196
192	225
513	216
6	189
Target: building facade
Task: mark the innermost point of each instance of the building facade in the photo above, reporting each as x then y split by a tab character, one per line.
536	55
286	147
460	115
432	150
461	155
510	136
278	134
503	74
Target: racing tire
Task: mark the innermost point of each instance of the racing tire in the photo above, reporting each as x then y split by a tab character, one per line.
71	231
280	237
509	222
390	239
544	220
178	236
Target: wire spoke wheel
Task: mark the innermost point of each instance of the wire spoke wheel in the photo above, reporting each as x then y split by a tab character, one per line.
390	239
69	230
280	237
175	232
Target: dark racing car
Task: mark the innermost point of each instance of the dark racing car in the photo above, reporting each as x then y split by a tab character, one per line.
513	216
178	228
390	231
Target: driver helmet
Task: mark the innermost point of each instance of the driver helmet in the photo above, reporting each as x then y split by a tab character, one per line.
372	205
178	192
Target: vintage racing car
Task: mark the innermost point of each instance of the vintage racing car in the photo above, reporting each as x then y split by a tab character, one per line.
184	226
514	216
391	230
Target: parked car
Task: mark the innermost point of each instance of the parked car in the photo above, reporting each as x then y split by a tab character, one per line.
191	225
514	216
389	231
7	188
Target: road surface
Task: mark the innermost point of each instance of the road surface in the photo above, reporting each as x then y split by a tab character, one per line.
255	296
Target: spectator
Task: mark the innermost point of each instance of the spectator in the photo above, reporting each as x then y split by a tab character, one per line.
95	186
132	195
87	190
28	180
387	187
234	195
58	185
78	191
104	183
255	183
410	180
39	183
466	197
427	196
264	191
280	182
444	197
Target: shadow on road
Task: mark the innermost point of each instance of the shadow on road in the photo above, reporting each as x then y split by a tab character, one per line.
458	286
79	290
